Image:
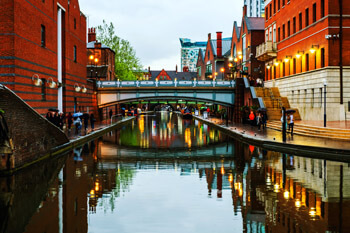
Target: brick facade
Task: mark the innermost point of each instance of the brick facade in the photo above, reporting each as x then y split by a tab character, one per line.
25	53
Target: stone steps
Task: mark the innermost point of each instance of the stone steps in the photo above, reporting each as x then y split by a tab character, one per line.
314	131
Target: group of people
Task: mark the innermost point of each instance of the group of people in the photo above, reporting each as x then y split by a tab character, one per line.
260	119
289	122
60	120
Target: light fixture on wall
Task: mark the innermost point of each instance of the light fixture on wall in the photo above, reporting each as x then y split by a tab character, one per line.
276	62
83	89
37	81
299	54
314	48
51	83
287	58
76	87
268	66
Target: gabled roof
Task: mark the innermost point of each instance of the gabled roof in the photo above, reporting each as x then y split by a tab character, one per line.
91	45
226	45
255	23
173	74
201	56
185	42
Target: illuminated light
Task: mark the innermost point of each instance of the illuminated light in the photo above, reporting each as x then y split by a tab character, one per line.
236	59
268	67
91	57
83	89
231	58
240	56
286	195
222	70
96	60
222	170
37	81
299	53
313	48
297	203
230	178
216	73
312	212
276	188
230	65
97	187
276	63
92	192
286	60
76	87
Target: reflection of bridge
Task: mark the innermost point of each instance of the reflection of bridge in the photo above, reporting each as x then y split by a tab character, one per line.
202	92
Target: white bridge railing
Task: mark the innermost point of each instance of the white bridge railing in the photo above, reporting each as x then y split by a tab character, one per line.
121	84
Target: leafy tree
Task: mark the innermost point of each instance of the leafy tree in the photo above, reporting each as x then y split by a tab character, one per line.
126	62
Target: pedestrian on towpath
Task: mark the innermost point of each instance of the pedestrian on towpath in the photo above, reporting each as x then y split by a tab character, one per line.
69	121
86	121
252	118
92	121
77	124
264	120
291	123
259	121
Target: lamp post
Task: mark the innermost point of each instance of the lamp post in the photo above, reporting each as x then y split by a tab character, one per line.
325	102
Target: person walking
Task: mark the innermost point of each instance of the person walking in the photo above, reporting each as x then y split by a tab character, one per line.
92	121
69	121
77	124
264	120
208	113
86	121
110	113
291	123
252	118
61	120
258	121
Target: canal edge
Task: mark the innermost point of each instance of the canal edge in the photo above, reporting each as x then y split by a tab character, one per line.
341	155
69	146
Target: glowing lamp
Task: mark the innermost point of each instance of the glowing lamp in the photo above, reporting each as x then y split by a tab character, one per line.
77	88
312	212
268	67
276	188
83	89
299	54
230	65
52	84
286	195
222	70
240	56
36	80
276	63
91	57
313	48
96	60
236	59
297	203
231	58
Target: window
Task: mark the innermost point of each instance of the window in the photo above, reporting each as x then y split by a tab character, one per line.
283	3
279	5
314	13
75	23
283	31
312	97
322	58
300	21
294	25
75	53
274	72
43	37
279	34
284	69
274	6
307	17
294	65
322	8
288	29
270	10
43	90
267	13
307	67
315	60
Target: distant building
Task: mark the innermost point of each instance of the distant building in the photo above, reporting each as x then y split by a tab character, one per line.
189	53
255	8
171	75
101	59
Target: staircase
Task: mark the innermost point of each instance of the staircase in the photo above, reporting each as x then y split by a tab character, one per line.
274	102
314	131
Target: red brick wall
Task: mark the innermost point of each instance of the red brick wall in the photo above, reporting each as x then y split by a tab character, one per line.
314	34
26	57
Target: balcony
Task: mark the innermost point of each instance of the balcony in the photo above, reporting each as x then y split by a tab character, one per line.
266	51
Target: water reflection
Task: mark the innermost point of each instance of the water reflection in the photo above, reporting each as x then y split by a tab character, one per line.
225	186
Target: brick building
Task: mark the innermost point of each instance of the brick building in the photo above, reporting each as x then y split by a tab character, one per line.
43	54
305	49
101	59
215	58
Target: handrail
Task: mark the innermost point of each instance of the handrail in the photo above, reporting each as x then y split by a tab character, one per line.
118	115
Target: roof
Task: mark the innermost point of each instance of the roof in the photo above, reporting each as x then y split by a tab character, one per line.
91	45
226	45
255	23
173	74
185	42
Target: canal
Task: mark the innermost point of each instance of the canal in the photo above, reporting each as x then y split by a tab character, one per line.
164	174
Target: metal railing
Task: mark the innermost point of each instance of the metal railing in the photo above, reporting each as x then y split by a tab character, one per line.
155	84
266	47
116	116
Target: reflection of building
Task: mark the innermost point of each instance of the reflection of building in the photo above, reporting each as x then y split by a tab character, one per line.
189	53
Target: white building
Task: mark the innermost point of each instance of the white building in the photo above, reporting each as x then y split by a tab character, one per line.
255	8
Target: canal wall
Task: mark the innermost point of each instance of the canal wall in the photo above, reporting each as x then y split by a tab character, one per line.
32	135
342	155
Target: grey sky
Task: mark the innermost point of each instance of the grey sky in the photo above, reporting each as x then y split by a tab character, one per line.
154	27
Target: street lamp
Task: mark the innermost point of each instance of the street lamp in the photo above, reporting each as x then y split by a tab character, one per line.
222	70
325	104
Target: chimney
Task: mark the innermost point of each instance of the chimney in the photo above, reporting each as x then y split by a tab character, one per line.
176	69
92	34
149	69
244	10
209	36
219	44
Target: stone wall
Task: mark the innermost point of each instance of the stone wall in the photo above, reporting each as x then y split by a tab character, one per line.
33	136
306	92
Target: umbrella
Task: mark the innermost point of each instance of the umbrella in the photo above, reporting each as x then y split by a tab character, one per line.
53	110
290	111
262	110
77	114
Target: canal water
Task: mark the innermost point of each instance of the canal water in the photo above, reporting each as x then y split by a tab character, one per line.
163	174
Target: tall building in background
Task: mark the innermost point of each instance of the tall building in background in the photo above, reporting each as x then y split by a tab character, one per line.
255	8
189	53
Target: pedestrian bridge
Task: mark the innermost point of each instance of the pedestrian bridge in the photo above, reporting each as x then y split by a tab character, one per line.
202	92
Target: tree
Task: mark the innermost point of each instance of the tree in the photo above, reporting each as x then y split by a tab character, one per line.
126	62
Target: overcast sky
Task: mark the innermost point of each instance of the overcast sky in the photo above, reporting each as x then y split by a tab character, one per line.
154	27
